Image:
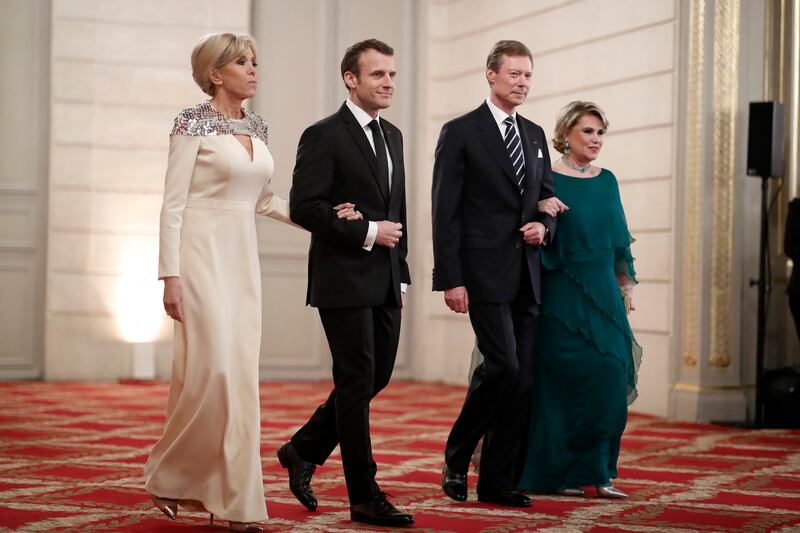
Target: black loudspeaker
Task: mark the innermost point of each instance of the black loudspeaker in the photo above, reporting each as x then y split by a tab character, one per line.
782	397
765	140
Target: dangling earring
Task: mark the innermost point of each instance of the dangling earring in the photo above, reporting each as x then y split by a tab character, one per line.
566	147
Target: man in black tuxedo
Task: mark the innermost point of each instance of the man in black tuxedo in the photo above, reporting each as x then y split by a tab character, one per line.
357	272
492	167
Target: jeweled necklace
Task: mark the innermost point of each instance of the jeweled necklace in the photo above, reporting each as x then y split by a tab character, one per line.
573	166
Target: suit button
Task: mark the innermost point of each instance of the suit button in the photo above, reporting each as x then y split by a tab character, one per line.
518	244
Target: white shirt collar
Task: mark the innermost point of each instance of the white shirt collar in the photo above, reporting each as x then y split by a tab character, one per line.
362	116
500	115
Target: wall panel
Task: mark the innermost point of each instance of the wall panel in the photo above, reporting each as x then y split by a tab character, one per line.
24	58
120	73
622	55
294	345
19	274
627	56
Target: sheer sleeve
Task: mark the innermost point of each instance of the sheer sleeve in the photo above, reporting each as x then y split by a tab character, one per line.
623	262
623	259
180	166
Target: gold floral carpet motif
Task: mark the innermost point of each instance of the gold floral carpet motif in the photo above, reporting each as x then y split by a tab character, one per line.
71	458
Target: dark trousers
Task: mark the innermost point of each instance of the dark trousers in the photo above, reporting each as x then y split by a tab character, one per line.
363	343
497	405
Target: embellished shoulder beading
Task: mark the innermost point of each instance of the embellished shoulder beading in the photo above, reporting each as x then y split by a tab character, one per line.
202	120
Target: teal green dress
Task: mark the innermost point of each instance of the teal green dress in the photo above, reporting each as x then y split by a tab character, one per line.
586	356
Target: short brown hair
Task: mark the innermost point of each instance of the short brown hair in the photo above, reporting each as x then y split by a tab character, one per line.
354	51
569	115
214	51
507	48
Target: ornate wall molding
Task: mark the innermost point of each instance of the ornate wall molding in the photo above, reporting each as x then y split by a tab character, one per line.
693	190
725	106
792	75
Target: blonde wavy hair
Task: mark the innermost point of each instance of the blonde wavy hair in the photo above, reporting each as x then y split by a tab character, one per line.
215	50
569	115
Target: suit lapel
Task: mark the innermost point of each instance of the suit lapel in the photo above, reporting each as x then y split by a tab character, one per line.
530	149
360	138
493	142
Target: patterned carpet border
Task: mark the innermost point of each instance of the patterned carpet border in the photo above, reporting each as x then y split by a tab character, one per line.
71	457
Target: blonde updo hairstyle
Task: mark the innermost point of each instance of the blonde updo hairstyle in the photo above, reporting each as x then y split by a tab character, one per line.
214	51
569	115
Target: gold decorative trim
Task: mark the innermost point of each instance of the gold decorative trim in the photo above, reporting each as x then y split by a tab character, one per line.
782	52
792	76
691	387
769	38
693	189
726	80
774	82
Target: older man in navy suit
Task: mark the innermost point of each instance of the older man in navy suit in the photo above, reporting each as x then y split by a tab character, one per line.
492	168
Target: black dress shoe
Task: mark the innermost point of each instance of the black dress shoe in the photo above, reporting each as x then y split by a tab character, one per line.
300	473
507	497
380	512
454	484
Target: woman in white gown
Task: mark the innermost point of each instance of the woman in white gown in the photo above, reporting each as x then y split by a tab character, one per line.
217	178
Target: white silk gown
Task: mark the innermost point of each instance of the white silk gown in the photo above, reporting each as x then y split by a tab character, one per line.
209	454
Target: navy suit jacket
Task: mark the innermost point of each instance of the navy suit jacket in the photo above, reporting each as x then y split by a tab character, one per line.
478	208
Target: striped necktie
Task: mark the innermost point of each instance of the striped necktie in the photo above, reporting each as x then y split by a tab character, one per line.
514	149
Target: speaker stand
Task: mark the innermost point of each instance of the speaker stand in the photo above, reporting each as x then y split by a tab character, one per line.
763	290
761	327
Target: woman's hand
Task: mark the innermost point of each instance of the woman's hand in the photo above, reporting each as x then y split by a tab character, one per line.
626	291
348	211
552	206
627	300
173	299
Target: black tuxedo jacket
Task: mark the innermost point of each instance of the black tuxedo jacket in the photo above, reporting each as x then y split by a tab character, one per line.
478	208
335	164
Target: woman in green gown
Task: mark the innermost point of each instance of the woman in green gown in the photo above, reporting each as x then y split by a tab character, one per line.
586	357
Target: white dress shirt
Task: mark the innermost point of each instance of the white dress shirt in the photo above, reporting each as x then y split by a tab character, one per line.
499	116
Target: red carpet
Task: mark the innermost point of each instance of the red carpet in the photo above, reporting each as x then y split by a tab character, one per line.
71	459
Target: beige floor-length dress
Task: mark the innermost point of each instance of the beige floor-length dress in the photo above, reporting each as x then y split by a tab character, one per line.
209	453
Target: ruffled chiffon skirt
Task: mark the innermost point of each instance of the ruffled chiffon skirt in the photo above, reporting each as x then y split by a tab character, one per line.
585	376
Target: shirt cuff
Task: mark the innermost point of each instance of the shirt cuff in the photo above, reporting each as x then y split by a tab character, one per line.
372	233
403	287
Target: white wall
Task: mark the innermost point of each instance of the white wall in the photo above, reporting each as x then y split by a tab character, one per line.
119	74
302	44
619	54
24	47
119	71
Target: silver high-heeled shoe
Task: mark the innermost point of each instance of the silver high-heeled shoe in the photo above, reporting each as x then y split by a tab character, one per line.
167	506
245	526
252	527
571	491
610	491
